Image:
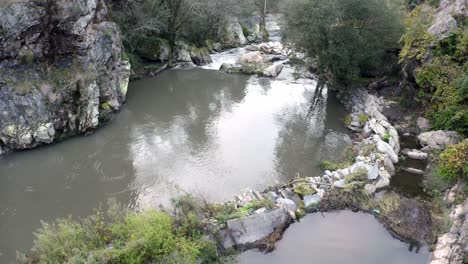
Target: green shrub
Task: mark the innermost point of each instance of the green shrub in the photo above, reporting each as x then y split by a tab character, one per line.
357	176
150	236
386	137
363	119
416	39
333	165
453	161
348	120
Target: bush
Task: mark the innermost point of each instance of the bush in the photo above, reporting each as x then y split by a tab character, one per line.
333	165
150	236
453	161
357	176
349	38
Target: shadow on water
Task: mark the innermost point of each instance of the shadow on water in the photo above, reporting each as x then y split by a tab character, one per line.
406	183
340	237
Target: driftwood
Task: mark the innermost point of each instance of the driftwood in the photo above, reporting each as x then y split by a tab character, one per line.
159	70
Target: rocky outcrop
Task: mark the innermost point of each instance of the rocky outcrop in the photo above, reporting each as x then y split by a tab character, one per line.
439	139
62	70
232	35
452	247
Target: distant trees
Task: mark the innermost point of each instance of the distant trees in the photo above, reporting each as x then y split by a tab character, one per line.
347	38
194	21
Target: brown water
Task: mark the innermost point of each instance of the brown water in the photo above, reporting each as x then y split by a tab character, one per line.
337	238
198	131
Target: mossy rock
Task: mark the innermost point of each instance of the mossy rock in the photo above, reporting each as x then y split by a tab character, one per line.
304	189
151	48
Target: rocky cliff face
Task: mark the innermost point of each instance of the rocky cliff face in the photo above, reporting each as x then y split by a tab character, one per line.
62	70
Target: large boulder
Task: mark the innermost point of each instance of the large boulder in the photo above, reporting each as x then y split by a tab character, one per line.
443	26
200	56
153	49
251	57
273	70
439	139
232	35
250	229
62	70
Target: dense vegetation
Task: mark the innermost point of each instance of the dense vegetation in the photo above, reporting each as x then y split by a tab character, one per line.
442	75
119	236
150	25
348	39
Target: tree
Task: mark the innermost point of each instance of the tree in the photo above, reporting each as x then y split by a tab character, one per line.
347	38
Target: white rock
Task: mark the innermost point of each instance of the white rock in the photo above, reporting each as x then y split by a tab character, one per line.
439	139
373	172
416	154
370	188
414	171
273	70
340	183
251	57
385	148
382	183
261	210
385	174
388	164
287	203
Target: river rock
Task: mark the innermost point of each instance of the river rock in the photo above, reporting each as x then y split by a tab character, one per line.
310	200
232	35
415	154
443	26
439	139
252	228
385	148
373	172
388	164
287	203
340	183
414	171
251	57
273	70
200	56
56	91
382	183
370	188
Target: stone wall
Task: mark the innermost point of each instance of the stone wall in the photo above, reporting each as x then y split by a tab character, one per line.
62	71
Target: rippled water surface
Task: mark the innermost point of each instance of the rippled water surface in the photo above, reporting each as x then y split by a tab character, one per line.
337	238
196	130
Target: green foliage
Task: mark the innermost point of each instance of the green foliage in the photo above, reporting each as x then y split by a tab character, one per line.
333	165
453	161
348	120
150	236
347	37
416	39
363	118
443	79
357	176
386	137
304	189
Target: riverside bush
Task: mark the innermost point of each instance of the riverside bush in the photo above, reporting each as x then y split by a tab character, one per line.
151	236
453	161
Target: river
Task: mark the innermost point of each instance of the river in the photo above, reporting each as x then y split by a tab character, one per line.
193	130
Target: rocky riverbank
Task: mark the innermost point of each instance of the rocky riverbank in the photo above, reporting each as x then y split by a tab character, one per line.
62	71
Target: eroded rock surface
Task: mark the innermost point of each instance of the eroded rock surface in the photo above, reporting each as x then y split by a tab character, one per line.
62	70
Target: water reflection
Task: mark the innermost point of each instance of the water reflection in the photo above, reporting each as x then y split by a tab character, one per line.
198	131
